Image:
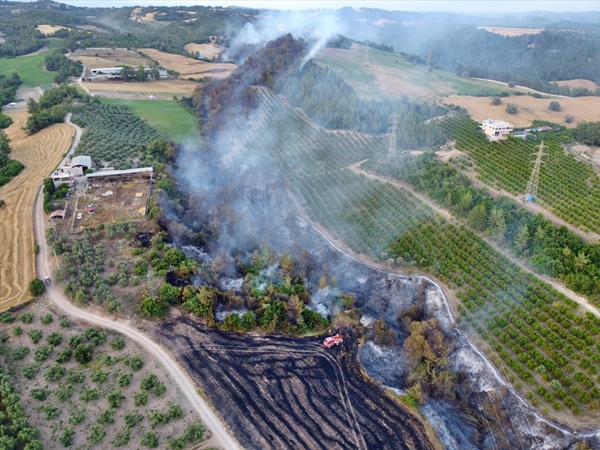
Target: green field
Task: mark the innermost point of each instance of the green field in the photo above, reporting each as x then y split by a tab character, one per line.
382	74
31	68
169	118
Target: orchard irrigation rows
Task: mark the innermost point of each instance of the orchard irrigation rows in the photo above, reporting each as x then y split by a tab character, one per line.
542	344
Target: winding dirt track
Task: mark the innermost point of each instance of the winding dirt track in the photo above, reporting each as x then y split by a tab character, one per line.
39	153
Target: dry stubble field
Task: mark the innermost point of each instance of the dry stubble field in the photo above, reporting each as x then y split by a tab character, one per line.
190	67
530	108
40	153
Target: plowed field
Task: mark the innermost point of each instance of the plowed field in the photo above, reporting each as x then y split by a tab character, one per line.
284	392
40	153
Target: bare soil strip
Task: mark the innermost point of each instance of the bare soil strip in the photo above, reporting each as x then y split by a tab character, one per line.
40	153
283	392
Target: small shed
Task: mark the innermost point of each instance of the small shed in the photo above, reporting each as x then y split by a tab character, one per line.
58	214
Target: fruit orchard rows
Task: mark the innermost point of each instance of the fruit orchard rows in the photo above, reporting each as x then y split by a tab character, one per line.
532	329
571	188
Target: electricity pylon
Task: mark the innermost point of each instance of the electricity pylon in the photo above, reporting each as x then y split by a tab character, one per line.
392	153
534	180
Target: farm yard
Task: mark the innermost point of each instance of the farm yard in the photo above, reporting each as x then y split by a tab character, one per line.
282	392
583	109
520	317
40	153
510	31
162	89
112	202
208	51
81	386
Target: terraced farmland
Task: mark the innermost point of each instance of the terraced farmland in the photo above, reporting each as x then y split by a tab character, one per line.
537	336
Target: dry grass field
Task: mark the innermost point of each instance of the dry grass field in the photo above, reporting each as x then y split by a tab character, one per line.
210	51
108	57
509	31
579	83
530	108
49	29
40	153
190	67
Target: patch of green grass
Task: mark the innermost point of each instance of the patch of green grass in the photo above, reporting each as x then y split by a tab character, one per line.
31	68
169	118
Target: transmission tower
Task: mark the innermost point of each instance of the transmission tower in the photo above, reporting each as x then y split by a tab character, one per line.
429	68
534	180
392	144
367	55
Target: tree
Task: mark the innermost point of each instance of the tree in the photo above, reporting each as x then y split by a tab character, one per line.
554	106
569	118
37	287
581	260
497	223
478	217
511	108
2	203
522	238
83	353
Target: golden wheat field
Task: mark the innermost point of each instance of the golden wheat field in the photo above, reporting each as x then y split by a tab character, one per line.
190	67
40	153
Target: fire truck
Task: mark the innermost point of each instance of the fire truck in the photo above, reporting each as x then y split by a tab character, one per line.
333	340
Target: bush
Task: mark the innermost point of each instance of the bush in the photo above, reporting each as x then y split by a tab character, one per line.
30	371
152	384
511	108
569	118
40	394
94	335
75	376
496	101
55	373
17	331
27	317
77	416
133	418
107	416
47	319
140	399
66	439
20	352
84	353
51	412
90	395
124	380
98	376
135	363
118	343
64	355
554	106
63	393
96	435
37	287
150	439
74	340
35	335
114	398
42	353
54	339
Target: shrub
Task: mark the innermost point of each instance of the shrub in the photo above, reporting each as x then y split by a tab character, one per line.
47	319
7	317
40	394
17	331
107	416
55	373
124	380
42	353
140	399
75	376
54	339
63	393
74	340
64	322
37	287
118	343
122	437
114	398
496	101
94	335
511	108
66	439
30	371
64	355
133	418
569	118
134	362
96	435
51	412
84	353
27	317
150	439
77	416
98	376
35	335
20	352
90	395
554	106
152	384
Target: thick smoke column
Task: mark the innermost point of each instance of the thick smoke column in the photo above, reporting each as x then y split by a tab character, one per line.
312	26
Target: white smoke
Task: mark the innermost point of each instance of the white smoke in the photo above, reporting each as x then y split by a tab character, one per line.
317	27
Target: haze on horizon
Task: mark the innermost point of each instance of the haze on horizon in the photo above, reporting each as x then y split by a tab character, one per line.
461	6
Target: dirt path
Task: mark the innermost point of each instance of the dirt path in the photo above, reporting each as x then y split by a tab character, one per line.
39	153
582	301
220	436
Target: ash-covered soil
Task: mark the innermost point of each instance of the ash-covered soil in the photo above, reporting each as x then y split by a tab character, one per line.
282	392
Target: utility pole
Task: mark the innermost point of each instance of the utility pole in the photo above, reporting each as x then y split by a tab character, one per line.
534	180
367	55
429	68
392	153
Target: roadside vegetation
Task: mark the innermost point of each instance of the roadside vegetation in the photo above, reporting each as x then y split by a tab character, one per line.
82	386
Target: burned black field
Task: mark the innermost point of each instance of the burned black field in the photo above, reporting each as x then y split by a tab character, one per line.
280	392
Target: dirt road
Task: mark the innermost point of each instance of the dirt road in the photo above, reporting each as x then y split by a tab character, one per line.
220	435
582	301
39	153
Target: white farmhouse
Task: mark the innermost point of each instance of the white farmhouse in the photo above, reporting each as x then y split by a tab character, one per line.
496	129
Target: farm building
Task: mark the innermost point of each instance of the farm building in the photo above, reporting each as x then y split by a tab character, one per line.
58	214
496	129
67	174
128	174
114	73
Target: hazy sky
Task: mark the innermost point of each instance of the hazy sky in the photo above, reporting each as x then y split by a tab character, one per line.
464	6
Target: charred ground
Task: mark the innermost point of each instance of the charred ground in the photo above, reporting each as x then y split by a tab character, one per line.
284	392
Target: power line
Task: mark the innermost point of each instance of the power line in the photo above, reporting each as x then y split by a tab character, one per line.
392	152
534	180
